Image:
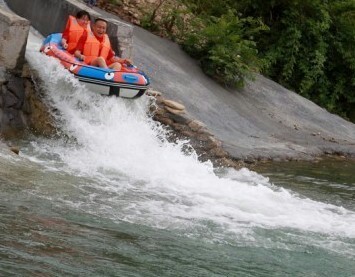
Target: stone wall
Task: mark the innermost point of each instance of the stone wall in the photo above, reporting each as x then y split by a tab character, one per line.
19	102
49	16
21	105
13	39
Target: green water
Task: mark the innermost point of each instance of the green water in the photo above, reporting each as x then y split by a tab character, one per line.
328	180
41	236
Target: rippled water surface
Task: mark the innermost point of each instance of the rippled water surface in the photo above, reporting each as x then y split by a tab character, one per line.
329	180
55	223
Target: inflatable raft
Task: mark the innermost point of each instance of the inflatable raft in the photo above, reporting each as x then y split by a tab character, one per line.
129	82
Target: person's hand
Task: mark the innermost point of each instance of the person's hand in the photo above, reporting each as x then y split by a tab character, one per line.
120	60
64	44
128	61
116	59
79	56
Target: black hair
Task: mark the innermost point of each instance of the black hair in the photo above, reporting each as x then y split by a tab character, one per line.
82	13
100	19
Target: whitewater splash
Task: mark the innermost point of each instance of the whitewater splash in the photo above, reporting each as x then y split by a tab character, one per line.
139	177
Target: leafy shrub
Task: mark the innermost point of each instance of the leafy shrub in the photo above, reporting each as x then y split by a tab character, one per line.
310	48
168	19
225	47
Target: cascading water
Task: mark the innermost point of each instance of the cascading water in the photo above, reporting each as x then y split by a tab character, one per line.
112	162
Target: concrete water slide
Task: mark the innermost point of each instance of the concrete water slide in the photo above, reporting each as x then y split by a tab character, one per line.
261	121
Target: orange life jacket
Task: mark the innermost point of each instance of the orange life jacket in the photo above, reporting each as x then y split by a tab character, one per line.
75	33
93	48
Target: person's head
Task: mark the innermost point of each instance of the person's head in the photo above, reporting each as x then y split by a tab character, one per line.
83	18
99	27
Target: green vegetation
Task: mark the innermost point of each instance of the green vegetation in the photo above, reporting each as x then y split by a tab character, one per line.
310	48
307	46
116	2
224	45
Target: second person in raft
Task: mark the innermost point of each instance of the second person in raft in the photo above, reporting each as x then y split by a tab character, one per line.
74	29
94	48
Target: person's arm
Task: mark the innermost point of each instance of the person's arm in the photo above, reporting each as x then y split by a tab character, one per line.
64	43
65	36
80	47
112	58
77	54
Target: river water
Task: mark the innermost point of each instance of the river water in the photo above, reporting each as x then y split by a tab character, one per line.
110	196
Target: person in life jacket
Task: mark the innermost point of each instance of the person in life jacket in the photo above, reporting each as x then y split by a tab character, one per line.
74	29
94	48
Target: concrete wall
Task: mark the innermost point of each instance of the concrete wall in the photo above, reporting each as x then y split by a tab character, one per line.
13	39
50	16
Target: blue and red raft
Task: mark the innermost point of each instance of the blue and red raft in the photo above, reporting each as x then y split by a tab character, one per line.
129	82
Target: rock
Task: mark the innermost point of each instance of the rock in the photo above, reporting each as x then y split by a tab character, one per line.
12	123
179	127
16	86
187	133
218	152
196	125
214	142
203	137
154	93
15	149
226	162
157	111
174	105
159	101
174	111
179	118
26	108
13	32
2	75
136	21
1	100
166	121
204	130
9	99
158	18
26	71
